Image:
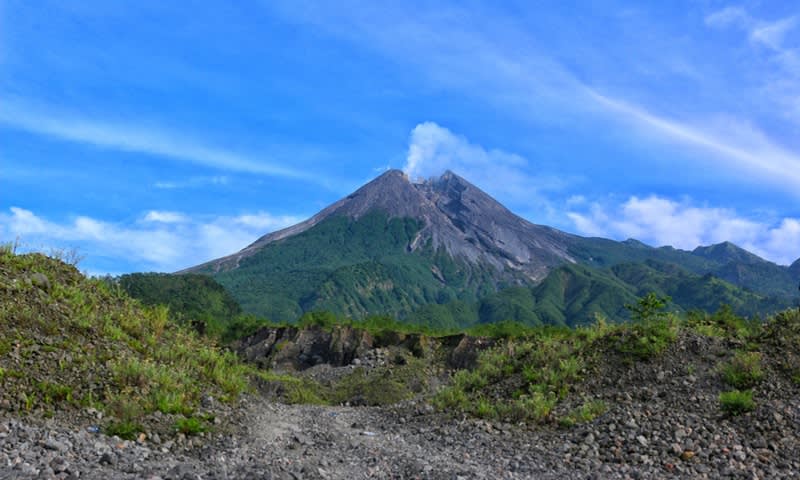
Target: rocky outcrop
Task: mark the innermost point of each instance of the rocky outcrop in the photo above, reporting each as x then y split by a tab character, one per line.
296	349
300	348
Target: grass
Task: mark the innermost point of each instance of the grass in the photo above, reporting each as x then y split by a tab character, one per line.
378	386
91	344
744	370
647	339
190	426
525	378
737	402
723	324
295	390
519	380
587	412
124	429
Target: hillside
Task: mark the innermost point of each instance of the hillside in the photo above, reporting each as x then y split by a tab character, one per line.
193	300
75	345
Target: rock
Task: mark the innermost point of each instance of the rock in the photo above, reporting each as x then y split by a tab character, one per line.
59	464
51	444
108	458
40	280
642	440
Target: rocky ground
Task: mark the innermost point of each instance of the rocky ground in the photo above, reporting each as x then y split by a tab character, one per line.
407	441
662	423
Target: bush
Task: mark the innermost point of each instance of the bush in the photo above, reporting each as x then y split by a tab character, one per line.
737	402
190	426
723	323
519	380
647	339
126	429
744	370
649	307
585	413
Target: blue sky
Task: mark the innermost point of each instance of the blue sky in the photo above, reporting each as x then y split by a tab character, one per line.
157	135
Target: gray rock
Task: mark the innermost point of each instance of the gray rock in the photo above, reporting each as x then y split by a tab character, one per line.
40	280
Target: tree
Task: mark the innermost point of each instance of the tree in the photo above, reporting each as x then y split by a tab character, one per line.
649	307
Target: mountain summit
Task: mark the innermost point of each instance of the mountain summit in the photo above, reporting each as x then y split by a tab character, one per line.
454	214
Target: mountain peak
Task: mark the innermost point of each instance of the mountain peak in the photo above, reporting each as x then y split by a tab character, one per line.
794	268
392	174
727	252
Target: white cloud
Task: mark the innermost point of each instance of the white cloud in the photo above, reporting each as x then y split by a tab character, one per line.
163	240
193	182
728	16
433	149
136	138
165	217
661	221
780	77
767	33
771	34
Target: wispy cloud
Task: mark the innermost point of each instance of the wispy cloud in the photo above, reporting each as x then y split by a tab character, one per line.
161	216
772	34
781	84
728	16
662	221
134	138
193	182
749	149
161	240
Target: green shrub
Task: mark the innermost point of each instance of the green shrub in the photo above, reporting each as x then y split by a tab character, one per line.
737	402
723	323
585	413
55	392
647	339
519	380
190	426
504	329
126	429
649	307
744	370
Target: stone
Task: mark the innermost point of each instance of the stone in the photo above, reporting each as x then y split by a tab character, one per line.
108	458
52	444
40	281
59	464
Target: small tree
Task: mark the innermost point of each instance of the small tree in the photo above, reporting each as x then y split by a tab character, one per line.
649	307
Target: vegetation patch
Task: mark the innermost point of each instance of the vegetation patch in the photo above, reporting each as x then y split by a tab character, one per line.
521	379
587	412
737	402
84	342
744	370
190	426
